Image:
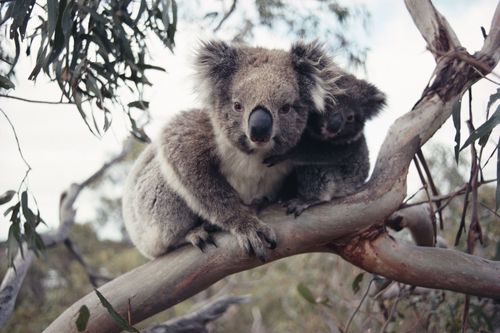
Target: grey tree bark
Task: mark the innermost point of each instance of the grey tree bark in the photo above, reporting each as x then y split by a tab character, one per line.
352	227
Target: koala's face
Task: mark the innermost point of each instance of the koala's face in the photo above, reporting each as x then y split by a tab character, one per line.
260	98
345	120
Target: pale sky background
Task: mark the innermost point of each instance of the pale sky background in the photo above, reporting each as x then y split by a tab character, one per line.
61	150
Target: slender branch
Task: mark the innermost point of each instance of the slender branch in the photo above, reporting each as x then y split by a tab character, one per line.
35	101
393	309
431	207
198	320
451	195
434	189
17	140
348	325
94	278
226	16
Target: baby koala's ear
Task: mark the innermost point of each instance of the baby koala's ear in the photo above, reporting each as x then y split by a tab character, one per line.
312	62
364	94
216	61
373	100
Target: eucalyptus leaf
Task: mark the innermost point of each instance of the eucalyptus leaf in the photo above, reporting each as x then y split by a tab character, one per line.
484	130
357	282
456	108
52	9
306	293
7	196
5	83
83	318
122	323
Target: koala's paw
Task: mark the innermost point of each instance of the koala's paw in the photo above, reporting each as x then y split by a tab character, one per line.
200	238
259	204
273	160
296	206
254	236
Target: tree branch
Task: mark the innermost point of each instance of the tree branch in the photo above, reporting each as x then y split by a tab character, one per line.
178	275
197	321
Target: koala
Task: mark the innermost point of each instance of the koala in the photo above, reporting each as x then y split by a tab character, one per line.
205	170
332	157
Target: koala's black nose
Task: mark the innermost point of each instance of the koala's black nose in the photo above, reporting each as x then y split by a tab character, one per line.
260	125
335	122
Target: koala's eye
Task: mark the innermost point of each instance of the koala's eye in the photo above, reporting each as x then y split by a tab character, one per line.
350	118
237	107
285	108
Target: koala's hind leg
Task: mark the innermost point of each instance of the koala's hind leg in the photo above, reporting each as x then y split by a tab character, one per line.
156	218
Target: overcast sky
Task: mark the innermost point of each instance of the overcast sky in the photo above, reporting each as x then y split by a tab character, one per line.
61	150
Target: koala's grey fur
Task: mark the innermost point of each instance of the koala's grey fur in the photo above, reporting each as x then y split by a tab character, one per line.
204	170
332	157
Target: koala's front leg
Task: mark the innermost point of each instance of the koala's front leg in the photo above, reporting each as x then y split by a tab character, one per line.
208	193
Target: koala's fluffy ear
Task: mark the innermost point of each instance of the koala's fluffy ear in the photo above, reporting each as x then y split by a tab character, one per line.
371	99
312	62
216	61
366	95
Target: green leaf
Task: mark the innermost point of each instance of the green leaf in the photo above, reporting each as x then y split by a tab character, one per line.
83	318
52	9
143	105
7	196
5	83
122	323
456	122
356	282
493	98
306	293
485	129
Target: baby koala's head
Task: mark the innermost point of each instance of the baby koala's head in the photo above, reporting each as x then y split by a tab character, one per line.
343	121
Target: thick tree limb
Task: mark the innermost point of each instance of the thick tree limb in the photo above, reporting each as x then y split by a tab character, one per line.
13	279
336	226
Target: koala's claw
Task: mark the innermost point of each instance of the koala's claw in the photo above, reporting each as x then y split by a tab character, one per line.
296	207
255	238
200	238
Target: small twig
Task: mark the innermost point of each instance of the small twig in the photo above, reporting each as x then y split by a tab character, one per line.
431	206
17	140
393	309
465	315
434	189
453	194
475	232
36	101
412	196
490	210
226	16
93	277
358	307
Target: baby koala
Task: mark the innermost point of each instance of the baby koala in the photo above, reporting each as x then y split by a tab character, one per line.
331	158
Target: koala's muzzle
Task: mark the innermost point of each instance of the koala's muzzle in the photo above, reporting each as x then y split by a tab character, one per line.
260	125
335	123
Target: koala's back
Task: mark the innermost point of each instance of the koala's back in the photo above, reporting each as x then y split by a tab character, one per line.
343	170
157	218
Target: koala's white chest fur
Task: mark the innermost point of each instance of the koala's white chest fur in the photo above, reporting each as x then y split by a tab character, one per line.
248	175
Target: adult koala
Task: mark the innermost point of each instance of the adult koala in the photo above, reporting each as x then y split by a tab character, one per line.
206	167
